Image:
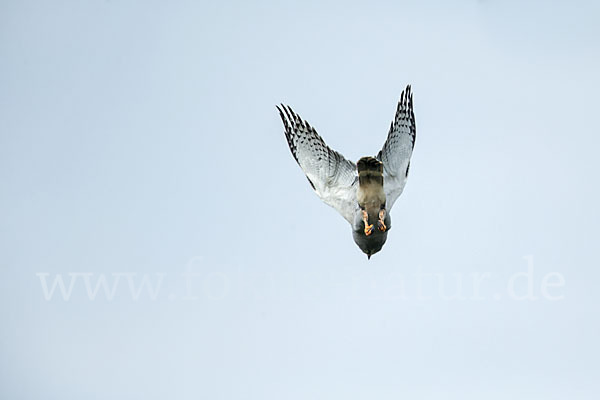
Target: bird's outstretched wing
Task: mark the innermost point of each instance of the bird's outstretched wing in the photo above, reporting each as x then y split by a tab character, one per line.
332	176
398	148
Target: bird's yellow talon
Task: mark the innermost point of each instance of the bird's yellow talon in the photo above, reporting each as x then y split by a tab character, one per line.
381	226
368	229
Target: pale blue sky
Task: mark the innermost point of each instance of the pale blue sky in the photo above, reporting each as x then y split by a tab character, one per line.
131	137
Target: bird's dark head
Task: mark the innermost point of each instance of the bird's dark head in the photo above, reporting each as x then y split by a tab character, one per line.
372	243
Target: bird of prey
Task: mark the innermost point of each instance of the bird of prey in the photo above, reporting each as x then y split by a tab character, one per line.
363	193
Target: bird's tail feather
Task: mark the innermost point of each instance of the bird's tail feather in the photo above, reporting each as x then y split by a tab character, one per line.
370	171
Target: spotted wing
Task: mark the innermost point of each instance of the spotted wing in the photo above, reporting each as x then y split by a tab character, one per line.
397	149
332	176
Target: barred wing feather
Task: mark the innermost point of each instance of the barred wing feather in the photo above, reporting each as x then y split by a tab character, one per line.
330	174
397	149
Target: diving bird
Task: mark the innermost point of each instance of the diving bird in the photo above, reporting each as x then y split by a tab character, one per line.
363	192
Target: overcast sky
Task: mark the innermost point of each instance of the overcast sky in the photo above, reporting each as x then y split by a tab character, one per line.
140	144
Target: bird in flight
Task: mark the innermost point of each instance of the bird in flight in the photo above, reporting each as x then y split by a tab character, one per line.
363	192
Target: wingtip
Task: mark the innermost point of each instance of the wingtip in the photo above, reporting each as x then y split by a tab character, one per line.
284	113
281	115
406	96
